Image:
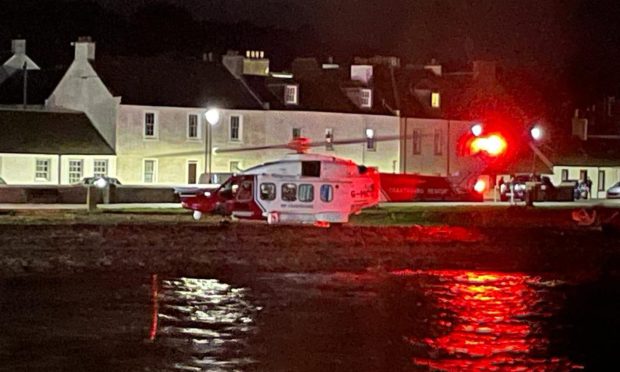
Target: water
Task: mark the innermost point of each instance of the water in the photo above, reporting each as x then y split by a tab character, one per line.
376	321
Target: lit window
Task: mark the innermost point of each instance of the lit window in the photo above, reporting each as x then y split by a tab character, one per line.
150	171
268	191
435	100
100	168
296	133
290	94
366	98
235	128
438	142
289	192
327	193
192	126
370	139
306	193
416	142
150	125
329	139
75	171
42	170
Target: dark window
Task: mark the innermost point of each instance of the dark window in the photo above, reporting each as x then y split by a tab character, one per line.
601	180
306	193
329	139
311	168
267	191
149	124
583	175
192	126
327	193
235	128
438	141
564	175
416	140
296	133
289	192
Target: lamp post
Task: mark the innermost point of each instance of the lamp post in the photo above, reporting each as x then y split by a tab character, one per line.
213	117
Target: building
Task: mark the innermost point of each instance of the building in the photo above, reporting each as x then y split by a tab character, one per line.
51	148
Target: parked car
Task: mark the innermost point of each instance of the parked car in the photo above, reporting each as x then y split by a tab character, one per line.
614	191
100	181
515	186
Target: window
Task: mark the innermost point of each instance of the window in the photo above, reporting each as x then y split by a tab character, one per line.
235	128
267	191
435	100
244	192
192	126
290	94
601	180
311	168
329	139
370	140
150	171
327	193
416	142
583	174
296	133
366	98
42	170
564	175
438	140
289	192
100	168
306	193
150	125
75	170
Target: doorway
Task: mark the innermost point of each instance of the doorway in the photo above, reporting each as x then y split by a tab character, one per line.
192	167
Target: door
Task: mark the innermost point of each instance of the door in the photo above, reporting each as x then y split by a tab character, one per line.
191	172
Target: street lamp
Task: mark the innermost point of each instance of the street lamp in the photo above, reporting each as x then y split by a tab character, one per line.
536	132
213	117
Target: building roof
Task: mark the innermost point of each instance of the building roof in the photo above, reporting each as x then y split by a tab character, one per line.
40	85
45	132
176	82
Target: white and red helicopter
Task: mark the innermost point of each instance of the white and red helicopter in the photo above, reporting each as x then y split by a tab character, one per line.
306	188
300	188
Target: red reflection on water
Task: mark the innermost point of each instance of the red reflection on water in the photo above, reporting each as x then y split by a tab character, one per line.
487	322
155	303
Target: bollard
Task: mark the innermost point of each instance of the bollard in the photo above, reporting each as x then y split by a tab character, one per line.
92	194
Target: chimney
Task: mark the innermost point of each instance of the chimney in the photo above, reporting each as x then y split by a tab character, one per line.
234	63
84	49
18	46
434	67
362	73
485	71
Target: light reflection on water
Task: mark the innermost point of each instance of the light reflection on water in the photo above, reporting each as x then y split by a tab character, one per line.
486	321
205	320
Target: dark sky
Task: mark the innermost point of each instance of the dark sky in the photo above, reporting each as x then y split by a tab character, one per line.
522	31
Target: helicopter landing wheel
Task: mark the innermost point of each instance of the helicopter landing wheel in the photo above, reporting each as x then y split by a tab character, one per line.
273	218
197	215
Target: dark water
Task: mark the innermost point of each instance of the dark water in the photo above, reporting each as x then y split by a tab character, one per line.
376	321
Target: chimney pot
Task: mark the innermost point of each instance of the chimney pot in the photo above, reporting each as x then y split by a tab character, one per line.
18	46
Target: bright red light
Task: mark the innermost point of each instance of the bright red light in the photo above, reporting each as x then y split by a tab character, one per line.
493	145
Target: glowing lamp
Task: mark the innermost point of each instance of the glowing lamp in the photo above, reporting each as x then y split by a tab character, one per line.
476	129
213	116
536	132
480	186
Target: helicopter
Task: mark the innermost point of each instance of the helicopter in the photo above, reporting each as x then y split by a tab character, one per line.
300	188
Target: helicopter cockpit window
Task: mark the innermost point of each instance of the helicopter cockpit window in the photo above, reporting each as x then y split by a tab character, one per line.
244	193
311	168
306	193
289	192
267	191
327	193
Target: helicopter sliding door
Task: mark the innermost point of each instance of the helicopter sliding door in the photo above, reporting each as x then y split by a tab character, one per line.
243	202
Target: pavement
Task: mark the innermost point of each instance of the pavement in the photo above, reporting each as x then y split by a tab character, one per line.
128	206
